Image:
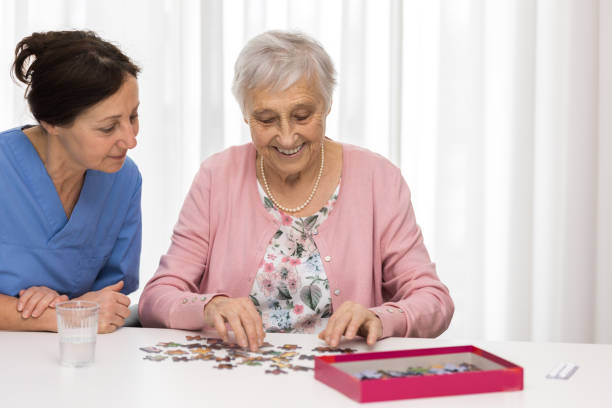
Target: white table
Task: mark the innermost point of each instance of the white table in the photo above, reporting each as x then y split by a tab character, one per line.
32	377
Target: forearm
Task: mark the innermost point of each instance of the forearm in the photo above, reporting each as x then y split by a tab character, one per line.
10	318
428	312
166	306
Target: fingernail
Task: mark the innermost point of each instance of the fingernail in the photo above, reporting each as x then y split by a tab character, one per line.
19	307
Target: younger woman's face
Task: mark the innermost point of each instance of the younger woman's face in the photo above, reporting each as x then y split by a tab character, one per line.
100	137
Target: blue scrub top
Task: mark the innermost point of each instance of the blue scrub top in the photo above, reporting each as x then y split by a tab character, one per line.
97	246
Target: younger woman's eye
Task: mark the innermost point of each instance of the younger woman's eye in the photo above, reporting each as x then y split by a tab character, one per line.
108	129
133	117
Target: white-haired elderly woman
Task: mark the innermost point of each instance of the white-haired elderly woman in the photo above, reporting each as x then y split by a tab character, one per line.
295	232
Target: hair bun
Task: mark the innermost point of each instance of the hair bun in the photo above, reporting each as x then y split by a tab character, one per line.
66	72
26	52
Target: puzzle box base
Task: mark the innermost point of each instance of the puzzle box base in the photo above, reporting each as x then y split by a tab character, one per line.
496	374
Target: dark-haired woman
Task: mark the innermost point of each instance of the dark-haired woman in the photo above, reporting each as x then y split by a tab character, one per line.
70	221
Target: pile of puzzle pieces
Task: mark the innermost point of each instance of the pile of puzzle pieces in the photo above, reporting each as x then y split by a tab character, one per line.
279	358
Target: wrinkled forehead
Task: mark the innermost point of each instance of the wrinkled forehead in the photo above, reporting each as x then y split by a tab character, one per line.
303	92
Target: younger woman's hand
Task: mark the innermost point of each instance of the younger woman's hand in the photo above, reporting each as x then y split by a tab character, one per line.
35	300
114	307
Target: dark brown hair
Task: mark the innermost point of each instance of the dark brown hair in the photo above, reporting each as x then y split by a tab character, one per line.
67	72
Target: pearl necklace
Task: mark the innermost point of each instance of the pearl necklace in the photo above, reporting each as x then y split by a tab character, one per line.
312	193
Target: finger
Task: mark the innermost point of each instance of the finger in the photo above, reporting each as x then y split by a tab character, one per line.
24	297
333	321
105	328
373	333
21	292
122	311
43	304
322	334
116	287
220	326
31	304
354	325
117	321
121	298
256	318
58	299
110	321
236	325
250	327
339	327
330	324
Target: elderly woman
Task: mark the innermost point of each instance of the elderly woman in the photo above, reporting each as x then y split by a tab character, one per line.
295	232
70	224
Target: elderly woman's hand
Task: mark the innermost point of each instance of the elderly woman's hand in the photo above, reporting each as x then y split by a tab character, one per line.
242	317
349	320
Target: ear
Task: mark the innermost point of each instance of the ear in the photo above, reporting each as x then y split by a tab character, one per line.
48	128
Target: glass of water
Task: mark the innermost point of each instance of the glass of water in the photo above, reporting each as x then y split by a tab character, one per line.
77	325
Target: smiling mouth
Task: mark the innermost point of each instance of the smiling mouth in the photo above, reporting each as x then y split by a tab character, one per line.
289	152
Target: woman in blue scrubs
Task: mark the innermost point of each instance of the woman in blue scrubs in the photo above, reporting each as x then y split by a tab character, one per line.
70	221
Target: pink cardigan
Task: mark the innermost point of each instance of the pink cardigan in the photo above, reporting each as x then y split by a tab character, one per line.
371	246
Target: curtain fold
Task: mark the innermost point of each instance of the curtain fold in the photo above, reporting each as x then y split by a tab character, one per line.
498	114
603	322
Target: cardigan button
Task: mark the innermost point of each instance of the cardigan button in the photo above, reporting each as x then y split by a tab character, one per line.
315	232
390	309
327	258
337	292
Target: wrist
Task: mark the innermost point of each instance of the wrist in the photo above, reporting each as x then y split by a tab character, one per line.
215	299
47	321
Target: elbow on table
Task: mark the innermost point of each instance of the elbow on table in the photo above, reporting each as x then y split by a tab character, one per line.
446	312
148	312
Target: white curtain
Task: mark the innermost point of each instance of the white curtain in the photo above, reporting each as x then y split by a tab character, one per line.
499	114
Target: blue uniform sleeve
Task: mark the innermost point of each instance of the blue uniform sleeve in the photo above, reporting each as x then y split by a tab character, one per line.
124	261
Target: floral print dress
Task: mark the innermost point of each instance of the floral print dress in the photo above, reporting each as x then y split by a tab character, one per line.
291	290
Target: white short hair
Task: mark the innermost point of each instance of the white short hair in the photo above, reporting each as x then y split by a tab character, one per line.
277	60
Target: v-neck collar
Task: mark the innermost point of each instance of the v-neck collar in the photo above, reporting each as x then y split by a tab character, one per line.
43	189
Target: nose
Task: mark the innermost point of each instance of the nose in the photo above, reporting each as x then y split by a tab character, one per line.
128	138
285	133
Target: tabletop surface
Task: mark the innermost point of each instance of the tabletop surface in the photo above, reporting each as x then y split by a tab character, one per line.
31	375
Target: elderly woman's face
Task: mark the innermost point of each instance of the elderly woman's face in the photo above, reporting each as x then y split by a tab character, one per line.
287	127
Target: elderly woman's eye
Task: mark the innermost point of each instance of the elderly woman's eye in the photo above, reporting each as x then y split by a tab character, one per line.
267	121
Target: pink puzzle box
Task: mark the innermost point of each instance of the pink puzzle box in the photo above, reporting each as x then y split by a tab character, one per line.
343	373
